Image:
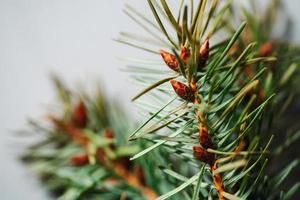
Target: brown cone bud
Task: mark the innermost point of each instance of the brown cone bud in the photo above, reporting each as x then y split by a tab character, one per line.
109	135
184	54
79	160
204	137
100	154
266	49
202	155
170	60
79	117
183	91
203	54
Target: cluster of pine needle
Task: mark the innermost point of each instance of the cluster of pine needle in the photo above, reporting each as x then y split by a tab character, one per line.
83	151
217	84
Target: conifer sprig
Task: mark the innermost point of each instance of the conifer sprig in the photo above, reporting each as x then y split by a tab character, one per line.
217	120
84	153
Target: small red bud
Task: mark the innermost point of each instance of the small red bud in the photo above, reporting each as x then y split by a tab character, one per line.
100	154
170	60
204	49
184	54
202	155
203	54
79	160
109	133
266	49
204	137
79	117
183	91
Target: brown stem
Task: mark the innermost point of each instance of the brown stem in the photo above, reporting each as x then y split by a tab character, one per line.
217	178
206	142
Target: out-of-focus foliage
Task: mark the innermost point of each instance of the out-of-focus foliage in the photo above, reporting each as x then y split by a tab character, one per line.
84	153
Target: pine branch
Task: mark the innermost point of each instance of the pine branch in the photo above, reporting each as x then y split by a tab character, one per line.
228	90
84	153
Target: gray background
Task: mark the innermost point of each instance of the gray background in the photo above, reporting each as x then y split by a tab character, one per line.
70	37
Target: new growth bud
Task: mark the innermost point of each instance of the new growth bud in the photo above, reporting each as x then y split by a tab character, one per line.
183	91
203	54
79	117
79	160
202	155
184	54
266	49
170	60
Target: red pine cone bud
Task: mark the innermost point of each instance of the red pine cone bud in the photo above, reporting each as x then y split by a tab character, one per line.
266	49
204	137
184	54
79	160
79	117
100	154
203	54
183	91
110	135
170	60
202	155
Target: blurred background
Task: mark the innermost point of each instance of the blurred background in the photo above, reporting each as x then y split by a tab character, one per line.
74	39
